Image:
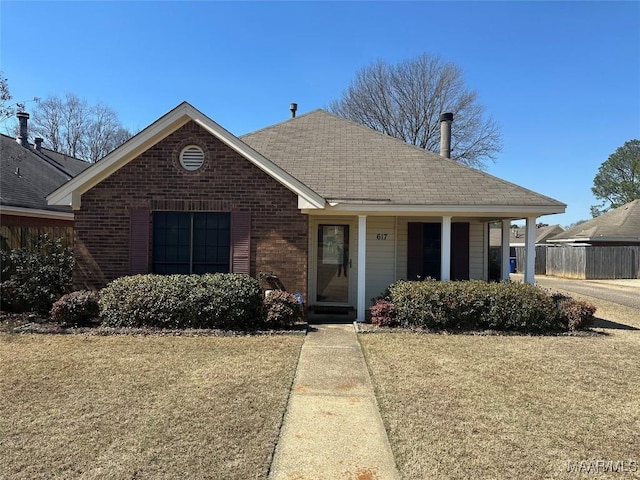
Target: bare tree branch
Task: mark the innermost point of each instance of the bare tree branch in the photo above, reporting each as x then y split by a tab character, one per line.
406	100
70	125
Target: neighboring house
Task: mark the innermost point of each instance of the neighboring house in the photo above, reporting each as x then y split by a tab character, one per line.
517	248
28	173
607	246
336	210
617	227
517	235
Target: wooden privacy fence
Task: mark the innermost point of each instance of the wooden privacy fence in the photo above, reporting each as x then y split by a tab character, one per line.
591	263
18	237
541	260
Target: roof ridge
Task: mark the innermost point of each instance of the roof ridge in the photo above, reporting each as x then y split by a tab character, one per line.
288	120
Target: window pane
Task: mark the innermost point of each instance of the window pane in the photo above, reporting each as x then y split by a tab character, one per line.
199	221
224	220
212	221
181	237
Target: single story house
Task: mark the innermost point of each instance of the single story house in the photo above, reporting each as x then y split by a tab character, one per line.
28	173
517	247
517	235
617	227
604	247
336	210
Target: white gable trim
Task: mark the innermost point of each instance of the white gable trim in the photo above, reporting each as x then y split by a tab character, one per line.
71	192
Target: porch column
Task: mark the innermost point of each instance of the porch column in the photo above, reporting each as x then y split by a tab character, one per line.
506	256
445	250
362	263
530	251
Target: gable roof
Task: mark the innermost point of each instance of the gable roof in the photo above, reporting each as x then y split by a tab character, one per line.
618	225
70	193
351	164
28	175
337	165
517	235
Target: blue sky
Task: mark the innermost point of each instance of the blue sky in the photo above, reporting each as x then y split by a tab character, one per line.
561	78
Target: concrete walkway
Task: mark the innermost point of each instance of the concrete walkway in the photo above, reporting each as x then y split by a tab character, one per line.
332	428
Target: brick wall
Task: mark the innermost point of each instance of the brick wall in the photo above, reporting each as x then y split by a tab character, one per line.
226	182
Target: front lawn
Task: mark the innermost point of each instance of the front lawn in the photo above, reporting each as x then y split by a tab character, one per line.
510	407
122	407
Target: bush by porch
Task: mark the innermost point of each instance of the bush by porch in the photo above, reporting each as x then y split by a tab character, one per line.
477	305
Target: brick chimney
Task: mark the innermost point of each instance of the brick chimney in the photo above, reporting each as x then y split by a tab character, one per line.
445	134
23	138
38	141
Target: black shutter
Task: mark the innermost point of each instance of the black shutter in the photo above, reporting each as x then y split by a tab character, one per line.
139	240
240	242
415	251
460	251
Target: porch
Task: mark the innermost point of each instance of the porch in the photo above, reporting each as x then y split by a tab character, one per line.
353	258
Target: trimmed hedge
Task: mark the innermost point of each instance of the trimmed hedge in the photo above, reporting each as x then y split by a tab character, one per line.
473	305
281	309
383	313
224	301
76	308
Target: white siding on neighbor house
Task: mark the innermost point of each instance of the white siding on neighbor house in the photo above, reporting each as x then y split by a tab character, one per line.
381	242
477	257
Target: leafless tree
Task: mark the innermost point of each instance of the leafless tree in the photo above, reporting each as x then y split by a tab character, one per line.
104	133
6	110
406	100
70	125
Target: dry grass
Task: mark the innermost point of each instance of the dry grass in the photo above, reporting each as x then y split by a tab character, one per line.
125	407
461	406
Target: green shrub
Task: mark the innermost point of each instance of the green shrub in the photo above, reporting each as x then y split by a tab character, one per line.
281	309
76	308
225	301
520	307
33	278
575	314
469	305
437	305
383	313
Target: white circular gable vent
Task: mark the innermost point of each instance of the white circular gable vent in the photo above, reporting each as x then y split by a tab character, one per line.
191	158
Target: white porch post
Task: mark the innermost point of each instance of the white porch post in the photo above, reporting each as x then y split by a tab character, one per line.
530	251
362	262
445	249
506	266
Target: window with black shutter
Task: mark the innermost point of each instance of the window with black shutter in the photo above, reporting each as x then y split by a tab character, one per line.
191	242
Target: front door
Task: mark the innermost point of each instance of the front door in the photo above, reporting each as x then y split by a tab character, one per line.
333	262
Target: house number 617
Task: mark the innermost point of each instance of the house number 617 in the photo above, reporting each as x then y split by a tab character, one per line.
381	236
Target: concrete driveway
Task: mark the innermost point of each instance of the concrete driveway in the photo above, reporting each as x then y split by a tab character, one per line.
623	292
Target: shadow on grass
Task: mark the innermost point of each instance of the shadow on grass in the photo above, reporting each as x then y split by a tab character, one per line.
602	323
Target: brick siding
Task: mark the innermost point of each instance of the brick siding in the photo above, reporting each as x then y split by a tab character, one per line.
226	182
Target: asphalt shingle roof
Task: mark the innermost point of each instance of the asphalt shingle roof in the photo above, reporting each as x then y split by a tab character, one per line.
620	223
341	160
27	176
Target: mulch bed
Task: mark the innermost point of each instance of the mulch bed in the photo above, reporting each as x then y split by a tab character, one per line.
30	323
368	328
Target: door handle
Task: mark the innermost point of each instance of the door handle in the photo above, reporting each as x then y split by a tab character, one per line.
350	263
